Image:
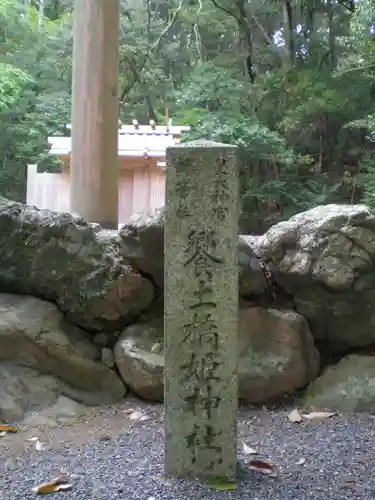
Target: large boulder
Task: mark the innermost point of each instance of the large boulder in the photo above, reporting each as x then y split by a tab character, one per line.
276	355
34	335
347	386
252	279
34	398
24	389
324	258
64	259
139	355
142	243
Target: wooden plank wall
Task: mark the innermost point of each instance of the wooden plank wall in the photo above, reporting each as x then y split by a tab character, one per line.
45	190
140	190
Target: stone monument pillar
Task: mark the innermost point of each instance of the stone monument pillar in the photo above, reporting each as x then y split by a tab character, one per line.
201	311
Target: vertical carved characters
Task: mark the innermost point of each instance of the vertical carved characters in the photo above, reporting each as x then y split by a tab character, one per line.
201	307
183	187
202	335
221	191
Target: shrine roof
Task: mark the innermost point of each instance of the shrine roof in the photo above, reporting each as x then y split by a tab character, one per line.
143	140
150	130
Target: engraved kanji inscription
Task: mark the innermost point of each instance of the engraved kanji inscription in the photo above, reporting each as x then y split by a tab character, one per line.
205	436
202	402
200	368
221	196
182	194
201	252
202	330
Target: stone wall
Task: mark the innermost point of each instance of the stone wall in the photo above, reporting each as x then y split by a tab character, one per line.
82	310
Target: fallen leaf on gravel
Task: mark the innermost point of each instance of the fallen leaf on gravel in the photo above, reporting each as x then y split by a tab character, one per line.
247	450
54	486
220	485
301	461
127	411
137	415
105	437
295	417
7	429
262	467
363	459
319	415
38	444
347	483
10	464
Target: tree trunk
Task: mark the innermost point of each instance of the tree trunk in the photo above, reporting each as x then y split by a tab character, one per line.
289	31
332	41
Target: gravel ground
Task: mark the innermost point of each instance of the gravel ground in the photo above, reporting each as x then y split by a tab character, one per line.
125	462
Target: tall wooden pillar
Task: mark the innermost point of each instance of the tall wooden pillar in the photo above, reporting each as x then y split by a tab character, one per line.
94	162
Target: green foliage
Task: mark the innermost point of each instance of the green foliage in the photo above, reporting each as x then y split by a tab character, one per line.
366	172
297	102
29	68
213	88
366	179
12	82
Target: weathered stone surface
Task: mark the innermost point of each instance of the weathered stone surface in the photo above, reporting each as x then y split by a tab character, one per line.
277	355
347	386
24	390
139	357
75	264
62	411
34	398
142	243
200	311
100	339
251	276
325	259
107	357
34	334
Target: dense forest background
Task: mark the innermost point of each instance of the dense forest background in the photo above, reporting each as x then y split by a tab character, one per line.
291	82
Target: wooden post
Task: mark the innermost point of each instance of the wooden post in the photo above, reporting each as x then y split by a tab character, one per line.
94	163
